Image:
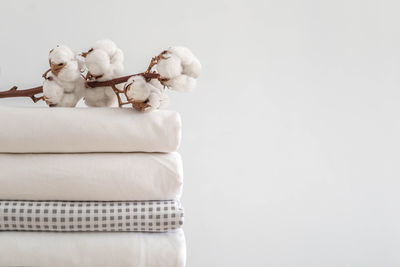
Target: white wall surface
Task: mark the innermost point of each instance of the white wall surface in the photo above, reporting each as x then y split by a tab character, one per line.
291	141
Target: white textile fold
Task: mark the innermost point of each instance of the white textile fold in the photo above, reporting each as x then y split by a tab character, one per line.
93	249
75	130
91	177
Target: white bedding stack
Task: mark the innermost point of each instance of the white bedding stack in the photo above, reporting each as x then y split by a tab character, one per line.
90	187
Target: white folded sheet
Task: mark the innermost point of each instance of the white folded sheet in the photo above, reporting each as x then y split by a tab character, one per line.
92	176
92	249
60	130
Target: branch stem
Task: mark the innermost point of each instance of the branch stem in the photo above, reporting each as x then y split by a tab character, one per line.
13	92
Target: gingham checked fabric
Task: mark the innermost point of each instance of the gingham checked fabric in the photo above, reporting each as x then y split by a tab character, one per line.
73	216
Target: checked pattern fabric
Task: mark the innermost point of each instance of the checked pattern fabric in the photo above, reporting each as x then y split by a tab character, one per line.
76	216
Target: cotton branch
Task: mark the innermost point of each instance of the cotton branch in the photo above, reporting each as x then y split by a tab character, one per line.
32	92
13	92
93	84
177	69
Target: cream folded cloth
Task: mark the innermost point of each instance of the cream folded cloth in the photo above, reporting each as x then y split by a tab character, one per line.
92	176
66	130
93	249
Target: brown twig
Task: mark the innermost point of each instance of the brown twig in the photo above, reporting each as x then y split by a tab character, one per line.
117	92
45	73
36	99
140	105
155	60
84	54
13	92
119	80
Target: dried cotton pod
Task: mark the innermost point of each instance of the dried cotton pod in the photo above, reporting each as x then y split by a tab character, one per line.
104	61
181	68
137	89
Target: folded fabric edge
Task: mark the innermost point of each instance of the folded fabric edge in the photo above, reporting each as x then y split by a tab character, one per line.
93	249
62	216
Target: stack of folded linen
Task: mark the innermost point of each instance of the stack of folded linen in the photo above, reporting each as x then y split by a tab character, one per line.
90	187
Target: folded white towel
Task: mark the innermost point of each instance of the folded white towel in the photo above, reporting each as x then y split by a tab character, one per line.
93	249
92	176
61	130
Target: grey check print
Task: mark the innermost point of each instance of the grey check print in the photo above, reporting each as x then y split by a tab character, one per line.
72	216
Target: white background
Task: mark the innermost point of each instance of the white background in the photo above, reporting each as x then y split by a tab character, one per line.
291	141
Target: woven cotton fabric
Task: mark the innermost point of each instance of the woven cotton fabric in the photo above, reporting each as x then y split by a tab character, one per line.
91	176
74	216
88	130
92	249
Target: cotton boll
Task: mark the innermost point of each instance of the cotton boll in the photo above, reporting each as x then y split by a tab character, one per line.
156	83
184	53
154	101
52	92
117	57
117	70
106	45
63	94
110	96
68	100
81	65
99	97
164	99
105	62
169	67
182	83
68	87
70	72
61	54
93	96
98	62
181	67
63	63
193	69
117	62
138	89
157	99
80	87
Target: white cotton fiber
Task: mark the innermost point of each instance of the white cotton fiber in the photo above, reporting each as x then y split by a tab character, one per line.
154	101
106	45
158	99
117	57
70	72
164	99
52	91
170	67
61	54
156	83
105	61
64	64
138	89
193	69
182	83
99	97
98	63
63	94
117	62
184	53
181	67
68	100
